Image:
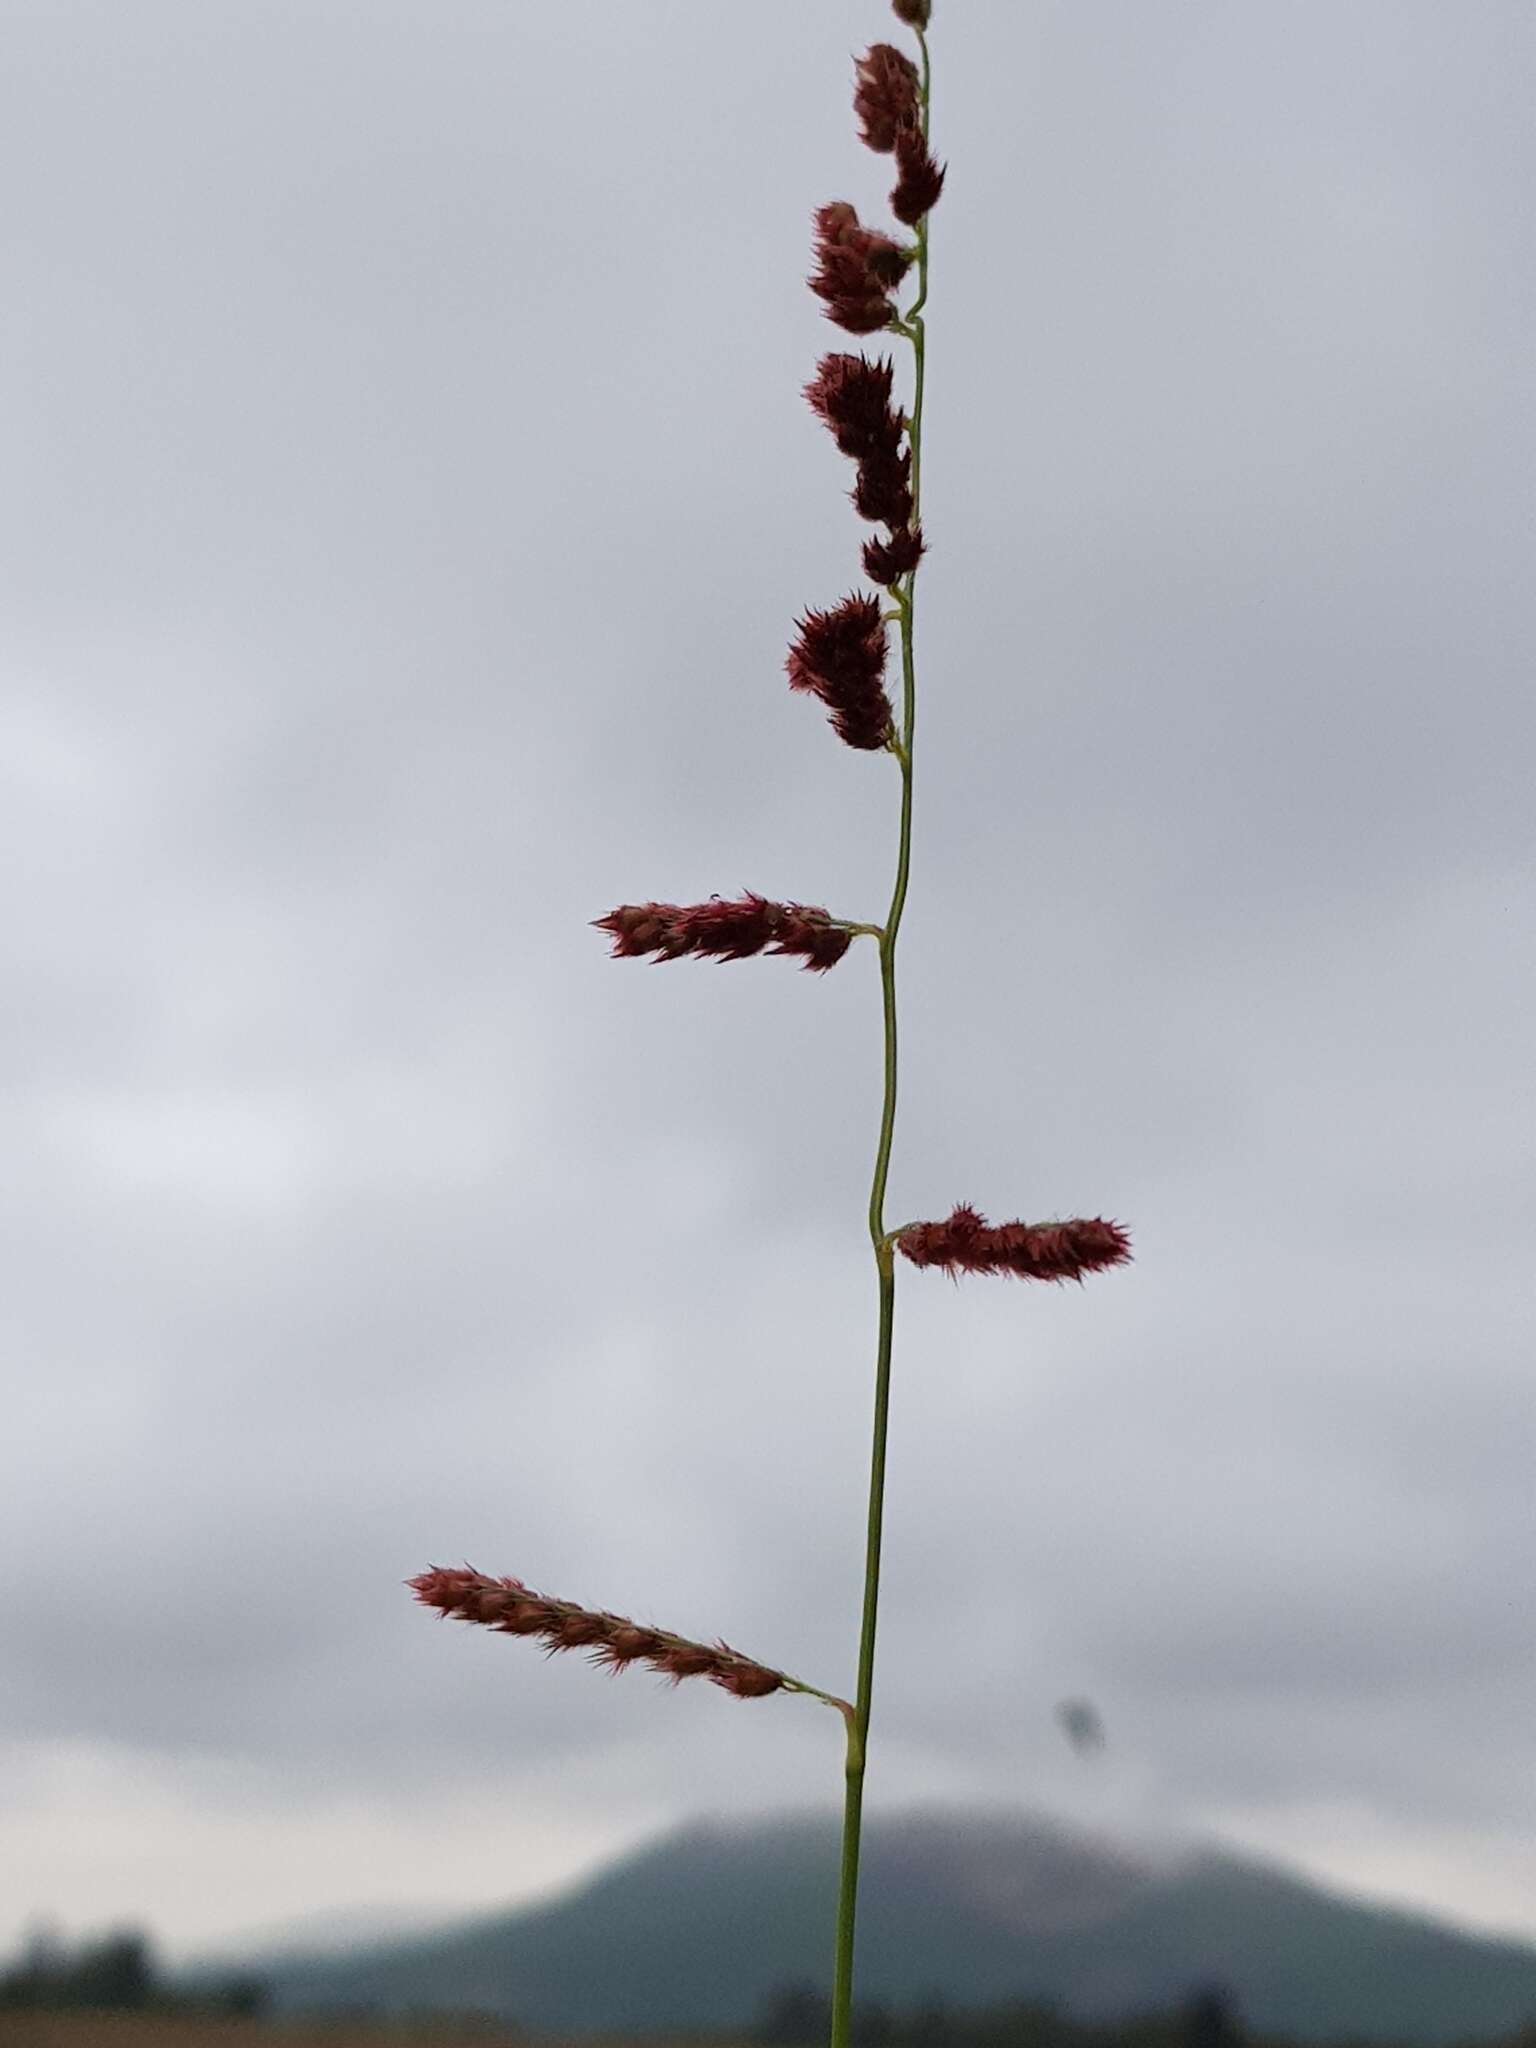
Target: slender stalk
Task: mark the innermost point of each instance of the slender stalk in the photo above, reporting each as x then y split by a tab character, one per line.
858	1728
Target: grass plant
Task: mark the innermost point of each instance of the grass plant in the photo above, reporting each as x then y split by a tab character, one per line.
840	656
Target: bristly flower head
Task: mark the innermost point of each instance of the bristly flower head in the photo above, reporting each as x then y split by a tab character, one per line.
915	13
853	396
967	1243
917	190
885	560
513	1609
856	269
885	95
727	929
840	658
883	491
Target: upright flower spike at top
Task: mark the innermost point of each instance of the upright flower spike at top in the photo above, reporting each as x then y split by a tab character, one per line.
513	1609
727	930
840	658
885	95
856	269
915	13
966	1243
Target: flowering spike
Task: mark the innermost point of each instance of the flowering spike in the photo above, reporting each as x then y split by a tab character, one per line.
967	1243
856	269
883	492
885	95
917	190
853	396
840	658
915	13
860	315
511	1608
727	929
885	560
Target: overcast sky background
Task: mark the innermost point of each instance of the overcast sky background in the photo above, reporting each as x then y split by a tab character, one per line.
406	500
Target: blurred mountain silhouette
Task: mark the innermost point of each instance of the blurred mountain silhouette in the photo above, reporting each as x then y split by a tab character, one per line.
698	1930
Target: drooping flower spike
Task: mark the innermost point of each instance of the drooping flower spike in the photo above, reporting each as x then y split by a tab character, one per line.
727	929
513	1609
966	1243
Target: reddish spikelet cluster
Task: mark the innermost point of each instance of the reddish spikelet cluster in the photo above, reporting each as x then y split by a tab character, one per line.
886	560
967	1243
513	1609
917	190
840	658
887	100
883	492
853	396
885	95
856	269
727	929
840	654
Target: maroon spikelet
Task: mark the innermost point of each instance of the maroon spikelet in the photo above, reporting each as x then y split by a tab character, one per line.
885	95
967	1243
915	13
883	491
513	1609
885	560
853	396
840	658
856	269
726	929
917	190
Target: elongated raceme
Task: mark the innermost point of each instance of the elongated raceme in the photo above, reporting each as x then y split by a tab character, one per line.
966	1243
513	1609
727	928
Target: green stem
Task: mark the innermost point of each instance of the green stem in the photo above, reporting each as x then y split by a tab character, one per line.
815	1692
858	1726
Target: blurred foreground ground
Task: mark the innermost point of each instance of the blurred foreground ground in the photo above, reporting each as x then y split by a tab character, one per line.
135	2030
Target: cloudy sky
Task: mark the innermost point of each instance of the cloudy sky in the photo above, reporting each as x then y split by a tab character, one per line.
406	499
